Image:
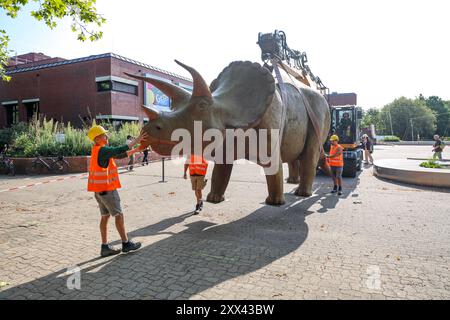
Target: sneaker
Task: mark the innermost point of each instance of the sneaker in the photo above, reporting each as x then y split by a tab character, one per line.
130	246
197	209
108	250
200	207
339	193
333	191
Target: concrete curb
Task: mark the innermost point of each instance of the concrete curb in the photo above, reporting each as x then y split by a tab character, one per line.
408	171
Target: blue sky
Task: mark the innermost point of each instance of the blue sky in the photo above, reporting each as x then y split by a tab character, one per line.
379	49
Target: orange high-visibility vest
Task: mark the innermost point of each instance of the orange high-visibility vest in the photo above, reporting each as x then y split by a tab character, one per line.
336	161
102	179
197	165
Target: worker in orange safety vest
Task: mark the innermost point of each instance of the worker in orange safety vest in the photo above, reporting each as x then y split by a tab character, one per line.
336	162
197	170
104	181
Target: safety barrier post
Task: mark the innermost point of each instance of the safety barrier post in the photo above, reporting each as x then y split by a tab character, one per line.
163	177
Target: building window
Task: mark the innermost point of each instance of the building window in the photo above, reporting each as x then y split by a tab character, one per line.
116	86
12	114
124	87
104	86
32	110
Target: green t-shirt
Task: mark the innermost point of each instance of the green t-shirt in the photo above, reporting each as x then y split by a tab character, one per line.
106	153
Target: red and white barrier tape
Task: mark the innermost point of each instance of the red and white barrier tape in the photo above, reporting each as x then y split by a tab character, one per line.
41	183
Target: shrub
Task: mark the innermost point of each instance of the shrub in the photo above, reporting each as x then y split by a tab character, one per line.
76	142
119	137
39	137
7	135
430	164
391	139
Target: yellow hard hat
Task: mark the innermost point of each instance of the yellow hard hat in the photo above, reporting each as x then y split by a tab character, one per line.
334	138
95	131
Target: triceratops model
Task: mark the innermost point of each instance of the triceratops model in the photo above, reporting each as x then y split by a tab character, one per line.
245	96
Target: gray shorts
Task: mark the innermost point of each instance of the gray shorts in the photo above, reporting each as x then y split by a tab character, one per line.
337	171
109	203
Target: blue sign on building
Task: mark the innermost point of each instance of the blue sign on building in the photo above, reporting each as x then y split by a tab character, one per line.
153	97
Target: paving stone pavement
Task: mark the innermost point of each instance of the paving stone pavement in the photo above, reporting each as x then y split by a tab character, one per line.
380	240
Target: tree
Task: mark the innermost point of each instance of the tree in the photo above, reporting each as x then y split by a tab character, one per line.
373	116
82	12
442	112
405	112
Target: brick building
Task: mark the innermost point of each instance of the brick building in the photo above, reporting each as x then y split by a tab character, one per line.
75	90
341	99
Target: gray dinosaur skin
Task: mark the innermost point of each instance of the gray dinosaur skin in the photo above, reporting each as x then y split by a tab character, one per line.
244	96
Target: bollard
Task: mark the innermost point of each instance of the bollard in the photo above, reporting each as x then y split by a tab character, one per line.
163	178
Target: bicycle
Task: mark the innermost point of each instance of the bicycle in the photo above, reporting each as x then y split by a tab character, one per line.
58	164
7	164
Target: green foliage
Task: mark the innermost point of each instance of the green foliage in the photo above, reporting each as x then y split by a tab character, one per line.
428	116
430	164
82	12
4	39
76	142
39	137
442	112
402	112
119	137
7	135
391	139
373	116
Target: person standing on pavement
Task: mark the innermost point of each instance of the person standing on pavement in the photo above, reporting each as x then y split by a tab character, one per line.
336	162
131	162
438	147
104	181
197	170
145	159
367	146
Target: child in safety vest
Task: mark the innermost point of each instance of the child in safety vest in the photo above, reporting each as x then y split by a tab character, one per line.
197	170
104	181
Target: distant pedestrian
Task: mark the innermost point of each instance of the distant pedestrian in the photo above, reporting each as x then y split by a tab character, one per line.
336	162
438	147
145	159
131	161
197	170
367	146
